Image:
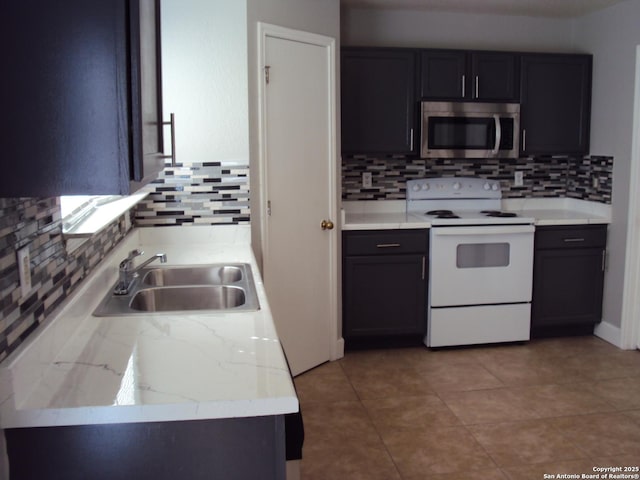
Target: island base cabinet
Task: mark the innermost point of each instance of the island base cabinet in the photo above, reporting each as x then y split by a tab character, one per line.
230	449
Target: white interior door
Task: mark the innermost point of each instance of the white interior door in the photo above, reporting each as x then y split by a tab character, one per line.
299	193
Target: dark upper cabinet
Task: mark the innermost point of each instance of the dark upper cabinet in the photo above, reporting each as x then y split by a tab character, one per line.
379	108
81	96
555	109
494	76
443	75
451	75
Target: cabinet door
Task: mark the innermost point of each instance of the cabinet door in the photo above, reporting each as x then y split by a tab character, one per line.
147	143
72	116
567	287
443	75
379	112
555	104
384	295
494	77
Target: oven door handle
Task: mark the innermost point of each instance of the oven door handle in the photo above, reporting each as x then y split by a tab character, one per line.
496	147
483	230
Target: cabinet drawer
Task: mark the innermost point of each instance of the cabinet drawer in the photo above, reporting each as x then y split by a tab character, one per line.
385	242
571	237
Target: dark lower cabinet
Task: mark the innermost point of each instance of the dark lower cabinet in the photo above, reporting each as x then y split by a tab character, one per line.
384	284
568	280
230	449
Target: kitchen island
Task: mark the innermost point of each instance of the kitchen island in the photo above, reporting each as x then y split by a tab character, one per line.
158	395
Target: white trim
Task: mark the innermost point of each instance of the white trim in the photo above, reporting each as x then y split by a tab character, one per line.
267	30
630	322
609	333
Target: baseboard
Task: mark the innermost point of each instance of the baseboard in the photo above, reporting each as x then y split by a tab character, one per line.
338	349
609	333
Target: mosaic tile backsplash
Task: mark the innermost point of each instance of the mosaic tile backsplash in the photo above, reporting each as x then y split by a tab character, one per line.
211	193
588	178
54	273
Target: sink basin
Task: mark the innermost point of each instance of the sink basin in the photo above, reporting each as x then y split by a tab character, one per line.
207	297
216	287
201	275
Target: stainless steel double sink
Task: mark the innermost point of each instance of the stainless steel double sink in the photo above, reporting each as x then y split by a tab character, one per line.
217	287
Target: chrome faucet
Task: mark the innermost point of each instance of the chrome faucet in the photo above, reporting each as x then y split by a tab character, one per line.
128	273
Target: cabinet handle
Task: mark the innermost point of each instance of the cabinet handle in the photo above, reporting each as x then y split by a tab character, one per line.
463	86
569	240
411	139
604	259
424	263
524	140
388	245
172	122
477	89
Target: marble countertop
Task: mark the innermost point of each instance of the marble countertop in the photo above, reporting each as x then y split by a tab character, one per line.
80	369
389	215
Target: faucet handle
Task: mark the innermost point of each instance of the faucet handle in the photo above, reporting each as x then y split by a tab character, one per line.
127	262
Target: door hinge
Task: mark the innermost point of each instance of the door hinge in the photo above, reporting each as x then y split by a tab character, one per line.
266	73
269	207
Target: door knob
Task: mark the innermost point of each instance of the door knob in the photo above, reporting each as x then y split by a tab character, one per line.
326	225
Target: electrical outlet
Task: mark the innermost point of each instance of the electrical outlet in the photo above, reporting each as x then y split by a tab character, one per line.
518	179
366	180
24	269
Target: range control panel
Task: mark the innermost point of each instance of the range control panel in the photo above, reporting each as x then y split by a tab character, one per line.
453	187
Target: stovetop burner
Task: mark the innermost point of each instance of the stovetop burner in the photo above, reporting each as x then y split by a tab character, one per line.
498	214
442	214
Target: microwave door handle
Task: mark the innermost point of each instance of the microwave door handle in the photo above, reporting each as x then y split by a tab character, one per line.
496	147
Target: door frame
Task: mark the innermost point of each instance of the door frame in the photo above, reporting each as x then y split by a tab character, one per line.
630	325
266	30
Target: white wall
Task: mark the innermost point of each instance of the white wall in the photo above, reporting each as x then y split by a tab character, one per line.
419	28
315	16
204	53
612	36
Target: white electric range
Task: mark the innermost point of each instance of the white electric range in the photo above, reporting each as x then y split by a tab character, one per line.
480	262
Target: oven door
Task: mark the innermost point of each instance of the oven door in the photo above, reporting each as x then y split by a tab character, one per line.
481	265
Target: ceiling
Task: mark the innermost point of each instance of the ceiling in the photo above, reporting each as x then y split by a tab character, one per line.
536	8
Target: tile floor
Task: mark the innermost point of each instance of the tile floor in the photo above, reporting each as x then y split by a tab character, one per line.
498	412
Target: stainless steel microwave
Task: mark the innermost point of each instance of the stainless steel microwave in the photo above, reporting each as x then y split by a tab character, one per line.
470	130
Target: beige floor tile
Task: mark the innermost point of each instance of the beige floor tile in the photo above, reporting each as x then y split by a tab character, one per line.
348	461
367	360
619	461
341	442
487	406
622	393
602	434
423	451
523	443
460	377
387	382
422	411
534	370
617	364
562	400
331	386
489	474
634	415
537	471
571	346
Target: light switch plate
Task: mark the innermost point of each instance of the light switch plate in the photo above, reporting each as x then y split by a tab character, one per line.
24	269
518	179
